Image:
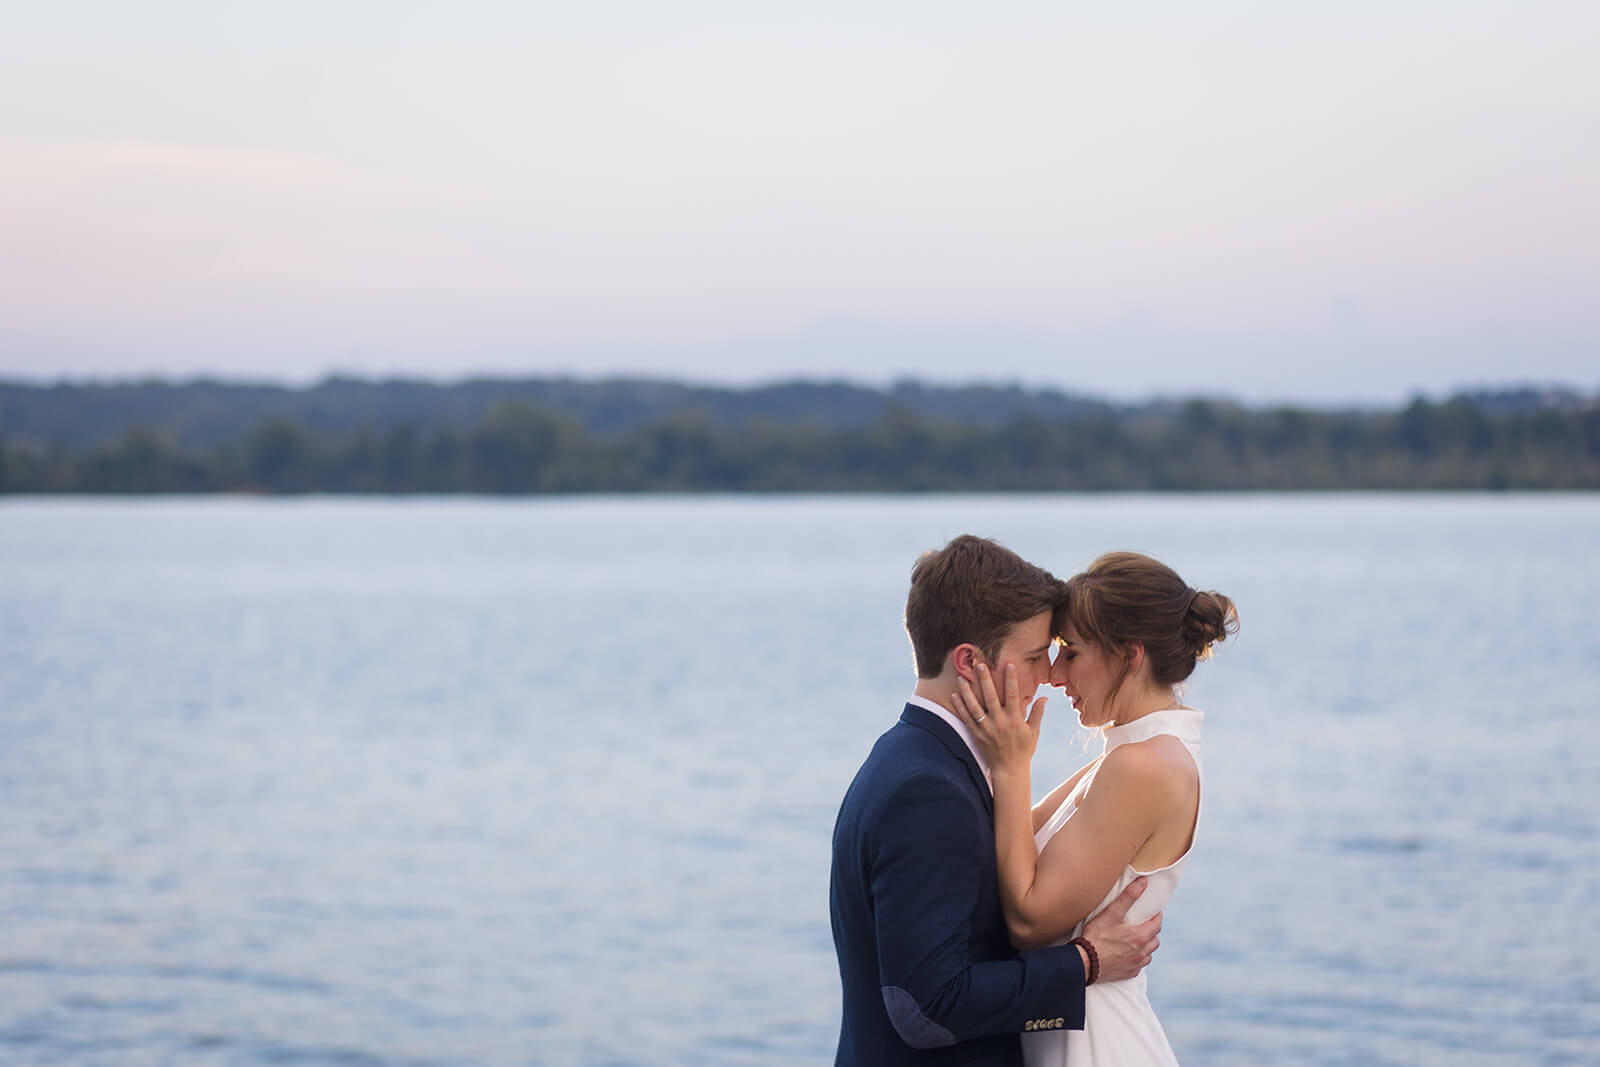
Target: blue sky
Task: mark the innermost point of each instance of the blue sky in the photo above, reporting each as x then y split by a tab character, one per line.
1266	201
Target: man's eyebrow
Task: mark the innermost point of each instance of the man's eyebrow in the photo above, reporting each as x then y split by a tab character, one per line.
1042	648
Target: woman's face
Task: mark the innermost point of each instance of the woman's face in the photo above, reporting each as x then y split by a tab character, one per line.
1085	671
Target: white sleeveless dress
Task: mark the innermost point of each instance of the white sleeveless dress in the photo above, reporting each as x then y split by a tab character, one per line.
1120	1027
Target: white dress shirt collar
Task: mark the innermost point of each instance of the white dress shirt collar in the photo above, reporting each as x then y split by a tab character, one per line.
961	731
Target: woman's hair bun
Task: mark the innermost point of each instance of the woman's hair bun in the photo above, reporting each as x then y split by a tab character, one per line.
1211	618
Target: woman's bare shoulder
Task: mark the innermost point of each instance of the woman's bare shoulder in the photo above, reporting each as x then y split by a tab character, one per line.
1162	763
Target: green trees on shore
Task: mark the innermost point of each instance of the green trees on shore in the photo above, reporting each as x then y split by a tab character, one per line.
520	447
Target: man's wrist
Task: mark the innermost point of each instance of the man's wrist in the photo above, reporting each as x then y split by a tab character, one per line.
1091	959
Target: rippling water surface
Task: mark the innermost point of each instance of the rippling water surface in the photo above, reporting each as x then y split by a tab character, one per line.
479	782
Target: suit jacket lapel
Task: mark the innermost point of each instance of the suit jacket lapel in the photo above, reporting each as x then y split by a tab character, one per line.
924	719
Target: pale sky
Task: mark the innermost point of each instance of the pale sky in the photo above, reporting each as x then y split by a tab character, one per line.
1270	201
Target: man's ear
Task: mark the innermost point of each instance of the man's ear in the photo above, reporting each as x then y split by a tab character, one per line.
967	658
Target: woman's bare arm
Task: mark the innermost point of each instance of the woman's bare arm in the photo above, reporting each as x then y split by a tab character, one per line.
1045	896
1126	803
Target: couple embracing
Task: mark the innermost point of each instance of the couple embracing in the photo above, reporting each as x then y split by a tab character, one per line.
972	926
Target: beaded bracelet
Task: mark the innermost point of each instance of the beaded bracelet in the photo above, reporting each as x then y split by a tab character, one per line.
1094	959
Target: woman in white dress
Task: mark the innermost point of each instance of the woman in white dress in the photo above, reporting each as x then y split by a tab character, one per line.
1129	633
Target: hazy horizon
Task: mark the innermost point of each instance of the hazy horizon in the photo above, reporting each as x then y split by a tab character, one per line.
1581	389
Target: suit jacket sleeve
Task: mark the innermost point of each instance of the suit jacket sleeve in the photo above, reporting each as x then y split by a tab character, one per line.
927	858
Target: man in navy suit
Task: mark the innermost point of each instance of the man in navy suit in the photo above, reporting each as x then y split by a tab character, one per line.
928	972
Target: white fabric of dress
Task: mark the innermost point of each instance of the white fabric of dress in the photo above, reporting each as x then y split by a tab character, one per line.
1120	1026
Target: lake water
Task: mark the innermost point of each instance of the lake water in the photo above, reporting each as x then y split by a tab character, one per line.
428	782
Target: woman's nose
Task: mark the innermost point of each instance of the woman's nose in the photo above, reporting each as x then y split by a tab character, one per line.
1058	672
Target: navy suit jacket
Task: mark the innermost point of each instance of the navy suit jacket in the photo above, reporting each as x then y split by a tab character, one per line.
929	974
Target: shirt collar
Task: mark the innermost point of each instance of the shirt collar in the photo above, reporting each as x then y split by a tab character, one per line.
961	731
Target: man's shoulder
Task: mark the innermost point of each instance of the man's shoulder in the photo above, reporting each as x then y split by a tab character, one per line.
910	760
909	748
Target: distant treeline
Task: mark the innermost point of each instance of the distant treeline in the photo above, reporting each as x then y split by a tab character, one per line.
521	445
79	416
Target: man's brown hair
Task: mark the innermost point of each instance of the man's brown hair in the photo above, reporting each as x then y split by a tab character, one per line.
972	591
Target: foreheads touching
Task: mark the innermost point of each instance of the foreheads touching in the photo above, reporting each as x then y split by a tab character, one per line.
972	591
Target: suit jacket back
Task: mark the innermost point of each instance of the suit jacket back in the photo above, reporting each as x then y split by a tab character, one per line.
928	972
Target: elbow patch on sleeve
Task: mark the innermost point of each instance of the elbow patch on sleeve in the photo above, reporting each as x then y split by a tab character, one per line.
915	1028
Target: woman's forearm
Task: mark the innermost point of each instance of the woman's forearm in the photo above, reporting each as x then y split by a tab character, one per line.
1015	853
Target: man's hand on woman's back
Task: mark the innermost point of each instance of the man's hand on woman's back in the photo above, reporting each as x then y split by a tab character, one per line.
1123	950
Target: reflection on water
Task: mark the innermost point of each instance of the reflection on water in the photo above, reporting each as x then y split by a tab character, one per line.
483	782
